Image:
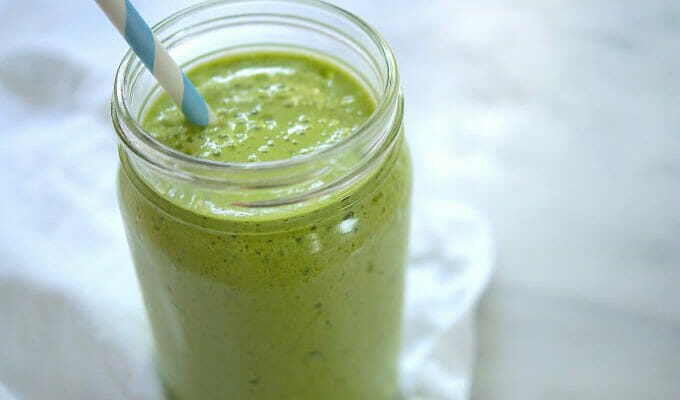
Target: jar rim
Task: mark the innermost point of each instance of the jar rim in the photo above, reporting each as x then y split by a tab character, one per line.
140	142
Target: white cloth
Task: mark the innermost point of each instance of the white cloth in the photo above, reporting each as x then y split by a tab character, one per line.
72	323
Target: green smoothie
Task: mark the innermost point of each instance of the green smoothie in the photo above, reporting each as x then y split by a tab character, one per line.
269	106
302	305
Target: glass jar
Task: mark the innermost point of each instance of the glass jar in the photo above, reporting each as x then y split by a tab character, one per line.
279	279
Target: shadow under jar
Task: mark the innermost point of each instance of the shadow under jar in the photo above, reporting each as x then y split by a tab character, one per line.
277	279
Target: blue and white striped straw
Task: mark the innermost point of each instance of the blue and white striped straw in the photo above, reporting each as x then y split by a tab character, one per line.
156	58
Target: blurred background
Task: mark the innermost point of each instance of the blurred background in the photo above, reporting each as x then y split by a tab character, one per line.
558	120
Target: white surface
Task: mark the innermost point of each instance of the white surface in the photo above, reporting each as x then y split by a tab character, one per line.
72	324
586	206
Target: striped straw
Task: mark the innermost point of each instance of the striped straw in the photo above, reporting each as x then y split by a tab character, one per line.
156	58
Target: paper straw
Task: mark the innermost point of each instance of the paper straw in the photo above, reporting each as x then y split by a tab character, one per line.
157	60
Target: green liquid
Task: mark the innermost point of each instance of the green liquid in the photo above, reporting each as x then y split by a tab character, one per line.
269	106
307	307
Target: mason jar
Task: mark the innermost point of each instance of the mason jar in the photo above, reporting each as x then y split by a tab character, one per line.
277	279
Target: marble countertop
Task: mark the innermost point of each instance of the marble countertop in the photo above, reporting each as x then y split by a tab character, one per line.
560	120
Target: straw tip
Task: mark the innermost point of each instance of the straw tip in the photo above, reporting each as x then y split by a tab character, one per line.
202	120
212	118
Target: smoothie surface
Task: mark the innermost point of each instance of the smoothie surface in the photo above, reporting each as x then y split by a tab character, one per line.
269	106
